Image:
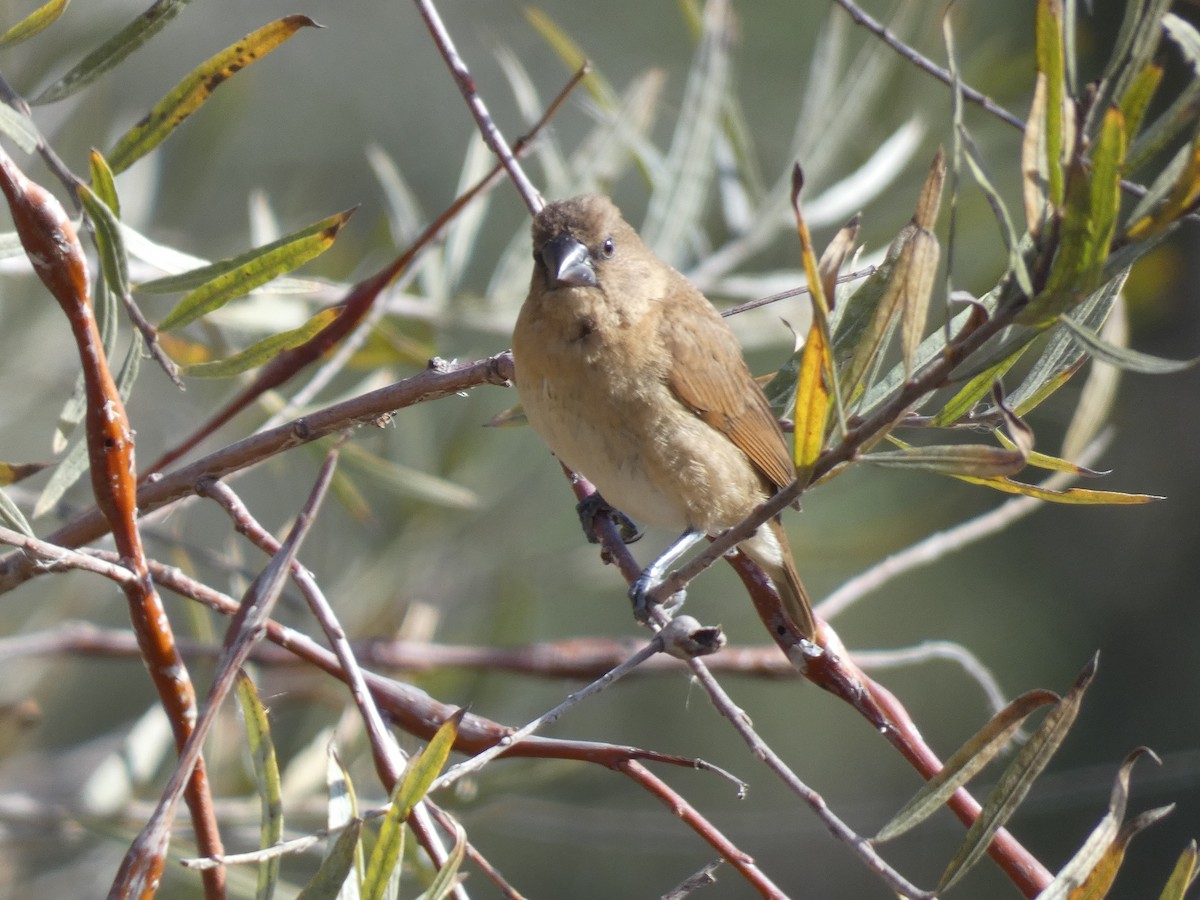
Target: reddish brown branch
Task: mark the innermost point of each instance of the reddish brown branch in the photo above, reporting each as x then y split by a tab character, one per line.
441	379
57	256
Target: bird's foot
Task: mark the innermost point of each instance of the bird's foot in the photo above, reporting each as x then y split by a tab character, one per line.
639	596
594	505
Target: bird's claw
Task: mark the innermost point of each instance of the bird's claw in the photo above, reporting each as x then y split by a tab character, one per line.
639	596
594	505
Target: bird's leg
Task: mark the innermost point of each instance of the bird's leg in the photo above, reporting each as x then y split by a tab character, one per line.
653	574
594	505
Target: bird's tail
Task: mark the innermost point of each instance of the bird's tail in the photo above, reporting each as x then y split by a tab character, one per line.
769	548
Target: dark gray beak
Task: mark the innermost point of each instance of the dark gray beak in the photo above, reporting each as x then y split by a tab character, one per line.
568	263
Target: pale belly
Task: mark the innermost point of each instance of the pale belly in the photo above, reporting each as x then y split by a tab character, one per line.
648	456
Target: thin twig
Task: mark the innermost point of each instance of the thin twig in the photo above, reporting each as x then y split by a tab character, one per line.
389	759
936	546
487	127
925	64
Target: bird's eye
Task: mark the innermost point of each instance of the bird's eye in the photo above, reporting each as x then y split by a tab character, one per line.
608	248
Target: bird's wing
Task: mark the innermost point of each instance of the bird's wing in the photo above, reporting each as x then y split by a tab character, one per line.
710	377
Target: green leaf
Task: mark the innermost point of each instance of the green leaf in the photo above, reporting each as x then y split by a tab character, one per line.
187	96
974	390
114	262
110	54
20	128
421	772
335	868
262	351
1088	225
217	284
1182	876
104	185
1017	779
1136	100
966	762
447	878
1051	63
266	776
1063	353
41	18
1123	357
1071	496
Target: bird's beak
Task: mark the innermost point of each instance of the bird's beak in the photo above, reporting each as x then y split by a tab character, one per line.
568	262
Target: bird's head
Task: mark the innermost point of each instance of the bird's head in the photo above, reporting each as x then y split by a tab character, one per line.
574	239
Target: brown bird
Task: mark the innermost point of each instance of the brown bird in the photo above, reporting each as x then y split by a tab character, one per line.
633	380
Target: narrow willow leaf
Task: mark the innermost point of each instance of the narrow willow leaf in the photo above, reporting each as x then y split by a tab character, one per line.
187	96
42	17
262	351
1090	872
973	460
812	402
966	762
20	128
327	883
408	482
1179	116
266	777
1162	185
1070	497
229	279
974	391
104	185
862	330
110	54
1016	262
447	878
574	58
1017	779
1035	174
1123	357
1051	63
69	470
419	774
917	265
1181	199
342	806
114	262
1136	100
1089	223
1099	392
1184	873
12	517
1063	353
423	769
830	264
815	379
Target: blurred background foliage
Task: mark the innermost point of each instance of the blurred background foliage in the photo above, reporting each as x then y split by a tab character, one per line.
491	554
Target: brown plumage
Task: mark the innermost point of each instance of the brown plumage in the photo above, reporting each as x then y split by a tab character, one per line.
634	380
